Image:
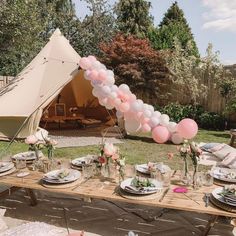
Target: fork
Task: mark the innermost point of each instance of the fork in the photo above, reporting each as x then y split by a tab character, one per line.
206	199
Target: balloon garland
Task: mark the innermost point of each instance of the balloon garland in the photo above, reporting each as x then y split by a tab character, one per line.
138	115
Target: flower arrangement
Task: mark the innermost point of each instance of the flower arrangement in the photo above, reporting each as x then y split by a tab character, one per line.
186	151
110	154
35	145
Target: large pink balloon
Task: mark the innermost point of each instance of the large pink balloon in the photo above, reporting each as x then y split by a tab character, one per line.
160	134
187	128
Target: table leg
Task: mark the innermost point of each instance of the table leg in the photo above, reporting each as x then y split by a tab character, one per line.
209	225
33	199
9	191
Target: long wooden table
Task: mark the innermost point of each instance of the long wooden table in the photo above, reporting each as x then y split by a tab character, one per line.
97	188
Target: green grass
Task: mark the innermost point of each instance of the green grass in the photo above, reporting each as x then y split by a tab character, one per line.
137	149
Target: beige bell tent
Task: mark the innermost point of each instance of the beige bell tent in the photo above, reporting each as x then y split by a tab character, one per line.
52	75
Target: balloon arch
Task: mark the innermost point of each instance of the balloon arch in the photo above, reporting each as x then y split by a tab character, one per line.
138	115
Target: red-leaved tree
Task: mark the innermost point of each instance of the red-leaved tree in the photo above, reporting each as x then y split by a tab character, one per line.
135	63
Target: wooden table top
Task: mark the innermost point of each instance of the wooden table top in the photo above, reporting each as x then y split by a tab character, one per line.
97	188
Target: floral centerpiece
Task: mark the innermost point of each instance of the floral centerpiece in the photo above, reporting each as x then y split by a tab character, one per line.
189	150
35	145
110	156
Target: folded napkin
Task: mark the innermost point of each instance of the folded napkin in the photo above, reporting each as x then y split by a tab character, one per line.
141	189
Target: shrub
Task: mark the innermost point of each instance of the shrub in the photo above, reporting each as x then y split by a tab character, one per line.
211	120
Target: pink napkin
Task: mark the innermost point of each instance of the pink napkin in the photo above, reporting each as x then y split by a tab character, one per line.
180	190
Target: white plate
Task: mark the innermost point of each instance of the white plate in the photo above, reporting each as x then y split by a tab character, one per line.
28	156
215	194
142	168
127	182
5	166
83	160
73	176
221	174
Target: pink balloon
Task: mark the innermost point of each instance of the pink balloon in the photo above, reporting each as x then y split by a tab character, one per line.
160	134
132	98
124	107
187	128
93	75
102	75
92	58
85	63
146	128
144	120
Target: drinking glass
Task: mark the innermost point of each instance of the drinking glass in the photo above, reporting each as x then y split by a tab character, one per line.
130	171
20	164
207	179
88	170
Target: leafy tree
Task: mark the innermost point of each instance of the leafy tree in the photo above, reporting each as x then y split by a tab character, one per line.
133	17
135	63
173	26
97	27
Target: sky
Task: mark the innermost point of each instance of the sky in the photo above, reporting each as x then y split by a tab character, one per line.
211	21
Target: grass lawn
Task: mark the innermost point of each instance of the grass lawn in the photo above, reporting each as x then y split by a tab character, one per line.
137	149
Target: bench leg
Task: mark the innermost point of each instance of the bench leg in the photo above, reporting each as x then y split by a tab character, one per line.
33	199
209	225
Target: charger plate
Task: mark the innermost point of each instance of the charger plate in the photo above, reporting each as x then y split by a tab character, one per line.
222	205
131	196
8	172
60	186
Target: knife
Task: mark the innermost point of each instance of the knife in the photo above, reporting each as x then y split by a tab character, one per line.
163	195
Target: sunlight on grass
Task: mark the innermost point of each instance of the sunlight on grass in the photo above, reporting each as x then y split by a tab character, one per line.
136	148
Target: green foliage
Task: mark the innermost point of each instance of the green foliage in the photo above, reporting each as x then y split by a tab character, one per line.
177	112
133	17
97	27
212	121
173	26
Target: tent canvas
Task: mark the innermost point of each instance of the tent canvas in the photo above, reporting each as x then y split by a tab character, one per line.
53	71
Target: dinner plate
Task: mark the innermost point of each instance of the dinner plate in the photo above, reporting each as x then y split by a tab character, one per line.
216	194
142	168
53	178
83	160
224	174
5	166
127	187
28	156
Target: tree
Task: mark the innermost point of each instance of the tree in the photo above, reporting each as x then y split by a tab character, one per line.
135	63
97	27
173	26
133	17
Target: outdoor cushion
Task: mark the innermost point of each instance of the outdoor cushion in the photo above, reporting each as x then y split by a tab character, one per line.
217	147
230	160
224	151
208	146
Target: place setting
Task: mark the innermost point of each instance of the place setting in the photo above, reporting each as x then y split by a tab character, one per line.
61	178
79	162
6	168
224	198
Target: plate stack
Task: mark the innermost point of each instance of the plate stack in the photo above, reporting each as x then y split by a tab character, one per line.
29	157
223	176
226	201
6	168
78	163
61	178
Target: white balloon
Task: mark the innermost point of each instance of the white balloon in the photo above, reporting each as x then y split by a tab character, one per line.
151	108
113	95
135	107
110	73
95	83
176	138
109	106
86	75
103	101
154	121
114	88
110	80
164	120
124	88
172	127
95	92
147	113
106	90
132	125
119	114
157	114
140	101
117	102
97	65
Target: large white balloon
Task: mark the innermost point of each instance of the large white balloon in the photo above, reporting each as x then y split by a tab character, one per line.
154	121
164	120
135	106
157	114
147	113
176	138
172	127
132	125
106	90
124	88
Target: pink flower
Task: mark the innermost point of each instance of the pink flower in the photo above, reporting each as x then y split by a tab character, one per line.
115	157
102	160
109	149
32	139
170	155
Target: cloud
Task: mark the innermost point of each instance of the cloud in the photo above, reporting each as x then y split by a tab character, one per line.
221	15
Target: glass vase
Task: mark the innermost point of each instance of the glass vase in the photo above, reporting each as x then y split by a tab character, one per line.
186	178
